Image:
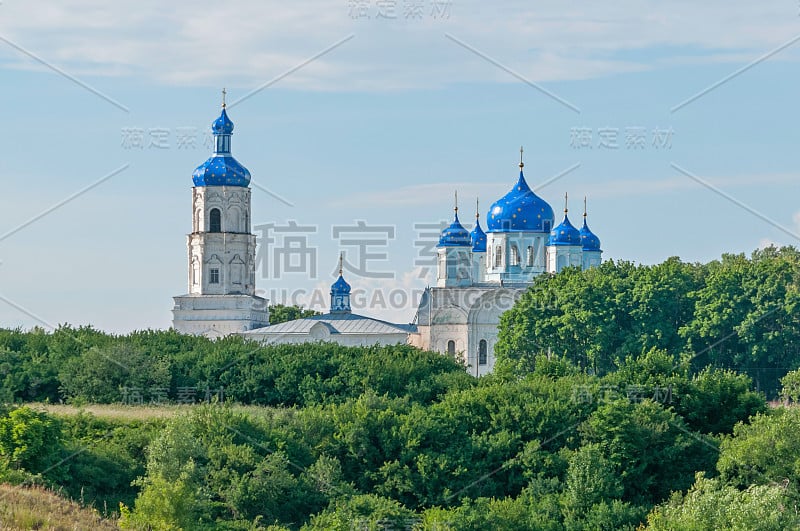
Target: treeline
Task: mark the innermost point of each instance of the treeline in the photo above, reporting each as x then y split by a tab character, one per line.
554	450
736	313
83	365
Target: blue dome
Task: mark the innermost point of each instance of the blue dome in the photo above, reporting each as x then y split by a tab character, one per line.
455	235
340	287
478	238
222	125
589	241
520	210
565	234
221	169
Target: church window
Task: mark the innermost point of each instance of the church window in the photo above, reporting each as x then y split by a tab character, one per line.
213	276
514	255
530	256
214	220
498	256
451	348
482	352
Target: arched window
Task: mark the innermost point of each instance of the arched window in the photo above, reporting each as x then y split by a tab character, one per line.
214	220
530	256
482	352
451	348
498	256
514	256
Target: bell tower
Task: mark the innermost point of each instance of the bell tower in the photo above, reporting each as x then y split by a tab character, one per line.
221	295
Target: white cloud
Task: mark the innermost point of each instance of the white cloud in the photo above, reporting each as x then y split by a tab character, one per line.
250	42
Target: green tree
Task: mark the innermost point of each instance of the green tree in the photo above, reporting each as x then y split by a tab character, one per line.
709	504
652	448
363	511
591	479
280	313
30	441
216	468
746	315
108	374
790	387
765	451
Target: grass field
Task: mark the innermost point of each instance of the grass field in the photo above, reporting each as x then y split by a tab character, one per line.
23	508
145	412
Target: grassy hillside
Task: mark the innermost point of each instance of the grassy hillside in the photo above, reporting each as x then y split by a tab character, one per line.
36	508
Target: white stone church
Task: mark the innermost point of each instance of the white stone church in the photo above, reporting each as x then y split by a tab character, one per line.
479	274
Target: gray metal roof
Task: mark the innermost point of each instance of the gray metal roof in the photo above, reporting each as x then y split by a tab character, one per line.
337	323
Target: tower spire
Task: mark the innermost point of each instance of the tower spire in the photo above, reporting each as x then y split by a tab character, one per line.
341	260
477	208
224	93
566	202
584	208
521	164
456	203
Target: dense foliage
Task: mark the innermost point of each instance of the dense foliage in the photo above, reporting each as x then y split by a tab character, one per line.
280	313
553	450
737	313
86	366
624	400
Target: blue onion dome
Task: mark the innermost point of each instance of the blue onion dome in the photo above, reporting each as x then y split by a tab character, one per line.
589	240
477	236
340	287
455	235
222	125
340	292
565	233
520	210
221	169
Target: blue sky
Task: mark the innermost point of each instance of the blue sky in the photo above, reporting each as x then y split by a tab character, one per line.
410	106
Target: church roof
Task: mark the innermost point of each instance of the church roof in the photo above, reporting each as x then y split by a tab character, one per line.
336	323
565	234
455	235
520	209
221	169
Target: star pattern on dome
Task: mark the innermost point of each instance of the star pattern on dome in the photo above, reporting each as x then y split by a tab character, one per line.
520	210
222	125
565	234
455	235
221	169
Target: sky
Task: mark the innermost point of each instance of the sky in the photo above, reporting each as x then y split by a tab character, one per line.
358	121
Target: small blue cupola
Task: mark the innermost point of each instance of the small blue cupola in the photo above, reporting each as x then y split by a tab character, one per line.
477	236
589	240
455	235
221	169
340	292
565	233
